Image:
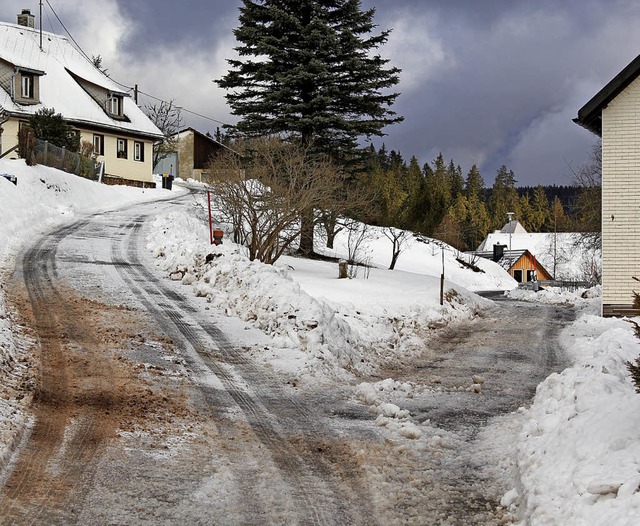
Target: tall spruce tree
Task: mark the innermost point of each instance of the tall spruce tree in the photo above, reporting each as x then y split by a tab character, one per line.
309	70
504	197
474	185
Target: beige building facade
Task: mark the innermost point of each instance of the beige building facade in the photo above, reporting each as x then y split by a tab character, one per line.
614	115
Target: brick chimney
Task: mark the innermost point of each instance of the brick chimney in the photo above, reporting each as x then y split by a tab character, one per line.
26	19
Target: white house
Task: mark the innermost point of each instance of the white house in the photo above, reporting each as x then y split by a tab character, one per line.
559	253
45	71
614	114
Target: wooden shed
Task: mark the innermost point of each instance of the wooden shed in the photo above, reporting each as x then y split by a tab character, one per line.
194	150
521	265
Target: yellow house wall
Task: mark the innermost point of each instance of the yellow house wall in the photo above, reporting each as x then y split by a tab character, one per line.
621	196
125	168
10	138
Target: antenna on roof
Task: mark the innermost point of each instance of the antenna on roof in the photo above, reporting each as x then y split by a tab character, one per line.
40	25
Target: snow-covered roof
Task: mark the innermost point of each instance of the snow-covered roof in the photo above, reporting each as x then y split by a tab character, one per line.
60	62
187	131
508	259
513	227
560	252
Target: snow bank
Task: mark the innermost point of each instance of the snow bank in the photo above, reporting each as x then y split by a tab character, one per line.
349	325
556	296
579	454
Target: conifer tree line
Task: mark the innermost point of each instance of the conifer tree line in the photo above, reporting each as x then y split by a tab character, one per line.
439	200
310	75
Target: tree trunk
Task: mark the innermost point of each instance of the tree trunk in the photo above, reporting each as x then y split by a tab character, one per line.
394	256
330	220
306	233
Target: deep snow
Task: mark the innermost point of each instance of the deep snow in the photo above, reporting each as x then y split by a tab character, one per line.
578	449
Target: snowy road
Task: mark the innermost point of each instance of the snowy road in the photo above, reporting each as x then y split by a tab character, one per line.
150	411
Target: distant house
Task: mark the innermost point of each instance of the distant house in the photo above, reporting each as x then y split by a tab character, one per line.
556	252
191	159
521	265
59	76
613	114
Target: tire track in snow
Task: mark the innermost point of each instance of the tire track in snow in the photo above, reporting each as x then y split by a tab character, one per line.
319	483
59	456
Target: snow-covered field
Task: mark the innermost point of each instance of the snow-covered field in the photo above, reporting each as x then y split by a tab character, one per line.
578	452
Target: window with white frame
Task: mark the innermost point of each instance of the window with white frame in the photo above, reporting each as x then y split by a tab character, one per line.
114	105
98	144
121	148
138	151
27	86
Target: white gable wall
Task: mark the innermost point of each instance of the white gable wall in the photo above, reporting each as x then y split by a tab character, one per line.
621	197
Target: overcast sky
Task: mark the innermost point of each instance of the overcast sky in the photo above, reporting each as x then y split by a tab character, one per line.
490	82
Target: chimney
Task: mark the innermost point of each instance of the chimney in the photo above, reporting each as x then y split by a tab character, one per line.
26	19
498	252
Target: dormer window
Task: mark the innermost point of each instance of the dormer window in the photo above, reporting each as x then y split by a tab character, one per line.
26	86
114	105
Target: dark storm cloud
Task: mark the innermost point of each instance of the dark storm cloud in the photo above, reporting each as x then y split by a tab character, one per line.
484	81
167	22
507	79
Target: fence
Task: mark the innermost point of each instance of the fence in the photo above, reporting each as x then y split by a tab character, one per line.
73	163
571	286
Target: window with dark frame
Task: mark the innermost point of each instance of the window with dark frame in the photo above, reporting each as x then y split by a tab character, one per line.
98	144
121	148
138	151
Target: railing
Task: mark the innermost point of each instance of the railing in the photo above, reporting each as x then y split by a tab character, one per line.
571	286
50	155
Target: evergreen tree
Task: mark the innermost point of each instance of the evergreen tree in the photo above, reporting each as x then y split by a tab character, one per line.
474	184
540	210
413	181
435	195
47	125
504	197
478	224
309	70
557	220
456	181
525	212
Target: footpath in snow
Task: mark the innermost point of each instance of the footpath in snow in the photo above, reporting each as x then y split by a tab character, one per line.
43	199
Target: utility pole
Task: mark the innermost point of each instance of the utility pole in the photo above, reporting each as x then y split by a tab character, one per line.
40	25
442	278
510	216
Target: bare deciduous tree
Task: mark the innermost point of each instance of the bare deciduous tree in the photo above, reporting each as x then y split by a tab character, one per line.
399	242
263	189
167	117
358	237
589	204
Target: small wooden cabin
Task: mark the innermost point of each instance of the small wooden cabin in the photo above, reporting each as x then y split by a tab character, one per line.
521	265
